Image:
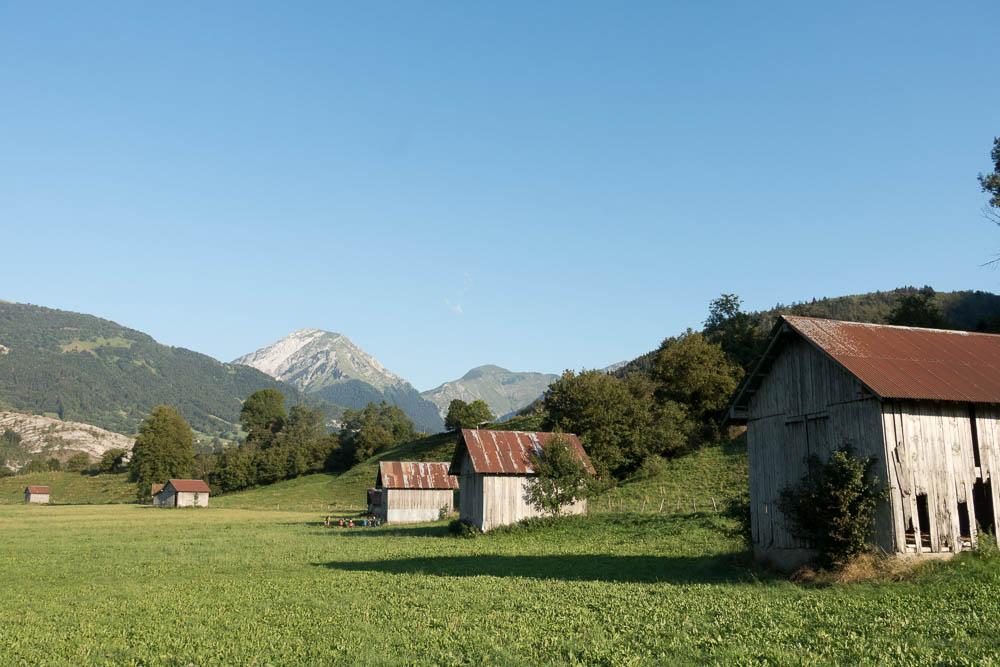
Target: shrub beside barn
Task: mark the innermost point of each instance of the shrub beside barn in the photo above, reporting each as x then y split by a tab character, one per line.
924	403
411	492
494	468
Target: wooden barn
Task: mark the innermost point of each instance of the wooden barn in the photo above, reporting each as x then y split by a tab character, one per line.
183	493
37	494
925	403
493	468
411	492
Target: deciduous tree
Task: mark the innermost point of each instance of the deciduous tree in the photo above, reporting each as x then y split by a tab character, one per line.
163	449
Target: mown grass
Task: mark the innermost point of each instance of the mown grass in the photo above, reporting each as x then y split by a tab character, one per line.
129	585
70	488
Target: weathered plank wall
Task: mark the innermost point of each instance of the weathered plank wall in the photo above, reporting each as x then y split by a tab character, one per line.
806	405
931	453
416	505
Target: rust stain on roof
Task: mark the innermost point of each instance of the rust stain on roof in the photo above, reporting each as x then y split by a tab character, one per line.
509	452
155	488
189	486
41	490
414	475
908	362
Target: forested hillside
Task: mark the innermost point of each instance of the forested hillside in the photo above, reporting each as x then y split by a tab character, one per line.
83	368
963	310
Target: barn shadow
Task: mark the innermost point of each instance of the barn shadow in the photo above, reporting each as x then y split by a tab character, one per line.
384	531
723	568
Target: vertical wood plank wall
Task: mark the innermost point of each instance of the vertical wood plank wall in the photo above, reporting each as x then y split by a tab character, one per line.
930	449
415	505
807	405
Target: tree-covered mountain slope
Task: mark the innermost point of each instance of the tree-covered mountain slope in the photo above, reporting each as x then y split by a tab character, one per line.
330	366
84	368
504	391
964	310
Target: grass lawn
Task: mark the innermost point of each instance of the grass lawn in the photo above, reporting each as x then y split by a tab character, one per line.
70	487
124	584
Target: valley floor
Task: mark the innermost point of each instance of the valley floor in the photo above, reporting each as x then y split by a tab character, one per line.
126	584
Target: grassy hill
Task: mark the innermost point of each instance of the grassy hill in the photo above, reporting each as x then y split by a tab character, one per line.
83	368
70	488
326	492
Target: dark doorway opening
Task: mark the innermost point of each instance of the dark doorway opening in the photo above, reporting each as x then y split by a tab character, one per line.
964	526
975	436
982	501
924	520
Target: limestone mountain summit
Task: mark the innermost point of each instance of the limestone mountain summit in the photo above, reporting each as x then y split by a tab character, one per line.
330	366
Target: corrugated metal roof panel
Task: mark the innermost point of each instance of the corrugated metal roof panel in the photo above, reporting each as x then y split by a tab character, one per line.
42	490
908	362
189	485
414	475
509	452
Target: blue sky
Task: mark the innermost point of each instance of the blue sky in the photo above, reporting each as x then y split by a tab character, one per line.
537	185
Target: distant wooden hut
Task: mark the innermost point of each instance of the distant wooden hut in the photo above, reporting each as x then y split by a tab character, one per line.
924	403
37	494
411	492
183	493
493	469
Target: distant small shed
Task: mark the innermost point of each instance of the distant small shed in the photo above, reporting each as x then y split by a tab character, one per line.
494	467
411	492
154	491
183	493
37	494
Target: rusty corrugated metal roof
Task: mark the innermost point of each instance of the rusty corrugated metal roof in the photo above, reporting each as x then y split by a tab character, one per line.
508	452
155	488
414	475
910	363
41	490
189	485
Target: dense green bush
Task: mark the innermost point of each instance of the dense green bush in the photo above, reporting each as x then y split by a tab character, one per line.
460	528
833	507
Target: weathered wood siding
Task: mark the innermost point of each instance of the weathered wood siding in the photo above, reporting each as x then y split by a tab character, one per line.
191	499
470	494
38	498
931	452
806	405
488	501
416	505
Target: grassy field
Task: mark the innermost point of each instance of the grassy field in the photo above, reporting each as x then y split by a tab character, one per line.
70	488
131	585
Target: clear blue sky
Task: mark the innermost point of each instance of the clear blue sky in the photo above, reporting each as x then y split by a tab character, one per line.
537	185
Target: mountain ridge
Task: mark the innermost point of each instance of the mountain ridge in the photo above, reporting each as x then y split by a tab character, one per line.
331	366
504	391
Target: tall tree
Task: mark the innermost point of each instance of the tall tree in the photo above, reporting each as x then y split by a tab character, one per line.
696	373
374	429
918	310
735	331
263	416
990	183
467	415
163	449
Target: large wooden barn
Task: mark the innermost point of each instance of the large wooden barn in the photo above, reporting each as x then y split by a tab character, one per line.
411	492
493	469
924	403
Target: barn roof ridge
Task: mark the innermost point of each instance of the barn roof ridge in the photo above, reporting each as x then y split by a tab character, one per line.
189	485
428	475
892	362
508	452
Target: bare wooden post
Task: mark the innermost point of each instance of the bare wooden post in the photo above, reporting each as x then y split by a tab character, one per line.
643	505
694	505
662	500
714	506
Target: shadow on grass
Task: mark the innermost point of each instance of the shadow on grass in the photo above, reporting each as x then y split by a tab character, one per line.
386	531
724	568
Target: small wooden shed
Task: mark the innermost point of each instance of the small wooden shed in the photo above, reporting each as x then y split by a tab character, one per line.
493	469
412	492
183	493
924	403
37	494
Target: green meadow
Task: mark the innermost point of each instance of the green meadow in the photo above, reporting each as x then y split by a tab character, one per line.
132	585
